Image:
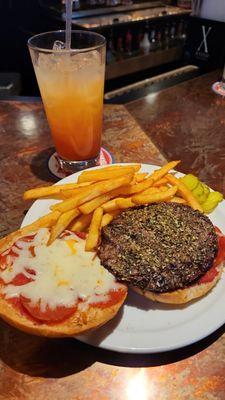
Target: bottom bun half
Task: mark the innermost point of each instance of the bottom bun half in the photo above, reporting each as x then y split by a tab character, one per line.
182	296
79	322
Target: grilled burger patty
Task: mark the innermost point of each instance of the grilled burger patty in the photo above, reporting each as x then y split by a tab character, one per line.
160	247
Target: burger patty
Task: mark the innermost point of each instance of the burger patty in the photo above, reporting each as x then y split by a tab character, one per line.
160	247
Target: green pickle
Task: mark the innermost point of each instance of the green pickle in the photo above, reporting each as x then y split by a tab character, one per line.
198	191
208	200
206	189
213	199
202	198
190	181
215	196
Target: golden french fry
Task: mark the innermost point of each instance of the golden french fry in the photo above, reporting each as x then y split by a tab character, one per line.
90	206
81	223
93	236
125	203
97	189
44	222
184	192
111	205
108	170
139	187
154	197
114	167
66	194
160	173
162	181
115	213
51	190
106	219
139	177
136	188
105	174
163	188
151	190
62	223
177	199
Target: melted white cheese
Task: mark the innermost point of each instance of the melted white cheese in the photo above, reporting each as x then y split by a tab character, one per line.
64	273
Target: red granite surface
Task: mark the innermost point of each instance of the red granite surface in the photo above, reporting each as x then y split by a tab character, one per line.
187	122
43	369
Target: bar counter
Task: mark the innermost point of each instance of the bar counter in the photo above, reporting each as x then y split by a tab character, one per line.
183	122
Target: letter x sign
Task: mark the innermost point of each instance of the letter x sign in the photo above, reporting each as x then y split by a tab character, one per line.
204	41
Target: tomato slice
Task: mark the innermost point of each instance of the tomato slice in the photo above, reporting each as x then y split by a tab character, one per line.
28	238
221	247
49	315
19	279
22	279
81	235
3	261
212	272
209	275
64	234
114	297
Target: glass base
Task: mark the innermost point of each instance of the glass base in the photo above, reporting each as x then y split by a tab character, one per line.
219	88
74	166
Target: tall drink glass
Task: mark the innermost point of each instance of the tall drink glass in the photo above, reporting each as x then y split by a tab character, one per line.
71	83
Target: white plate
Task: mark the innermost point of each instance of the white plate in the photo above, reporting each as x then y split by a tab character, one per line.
143	326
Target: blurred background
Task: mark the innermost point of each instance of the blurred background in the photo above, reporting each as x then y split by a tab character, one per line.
150	44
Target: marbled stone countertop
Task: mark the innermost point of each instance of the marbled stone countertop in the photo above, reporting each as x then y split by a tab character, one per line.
184	122
187	122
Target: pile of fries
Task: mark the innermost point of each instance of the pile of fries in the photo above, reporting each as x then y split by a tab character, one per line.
100	195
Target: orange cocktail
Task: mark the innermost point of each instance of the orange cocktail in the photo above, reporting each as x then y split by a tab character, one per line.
72	85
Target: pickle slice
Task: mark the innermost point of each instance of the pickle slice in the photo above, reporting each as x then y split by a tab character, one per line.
190	181
214	198
206	189
208	208
202	198
198	191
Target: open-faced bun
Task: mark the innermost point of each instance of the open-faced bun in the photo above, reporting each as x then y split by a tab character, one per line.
80	322
96	296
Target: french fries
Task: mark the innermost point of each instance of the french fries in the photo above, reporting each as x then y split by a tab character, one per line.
106	173
160	173
177	199
136	188
184	192
62	223
151	190
96	190
155	197
106	219
81	223
140	176
111	205
160	182
91	205
100	195
47	191
125	203
93	236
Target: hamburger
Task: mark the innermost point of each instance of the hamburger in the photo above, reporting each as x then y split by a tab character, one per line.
166	251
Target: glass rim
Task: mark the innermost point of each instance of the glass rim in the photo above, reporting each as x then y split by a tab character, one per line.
72	50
